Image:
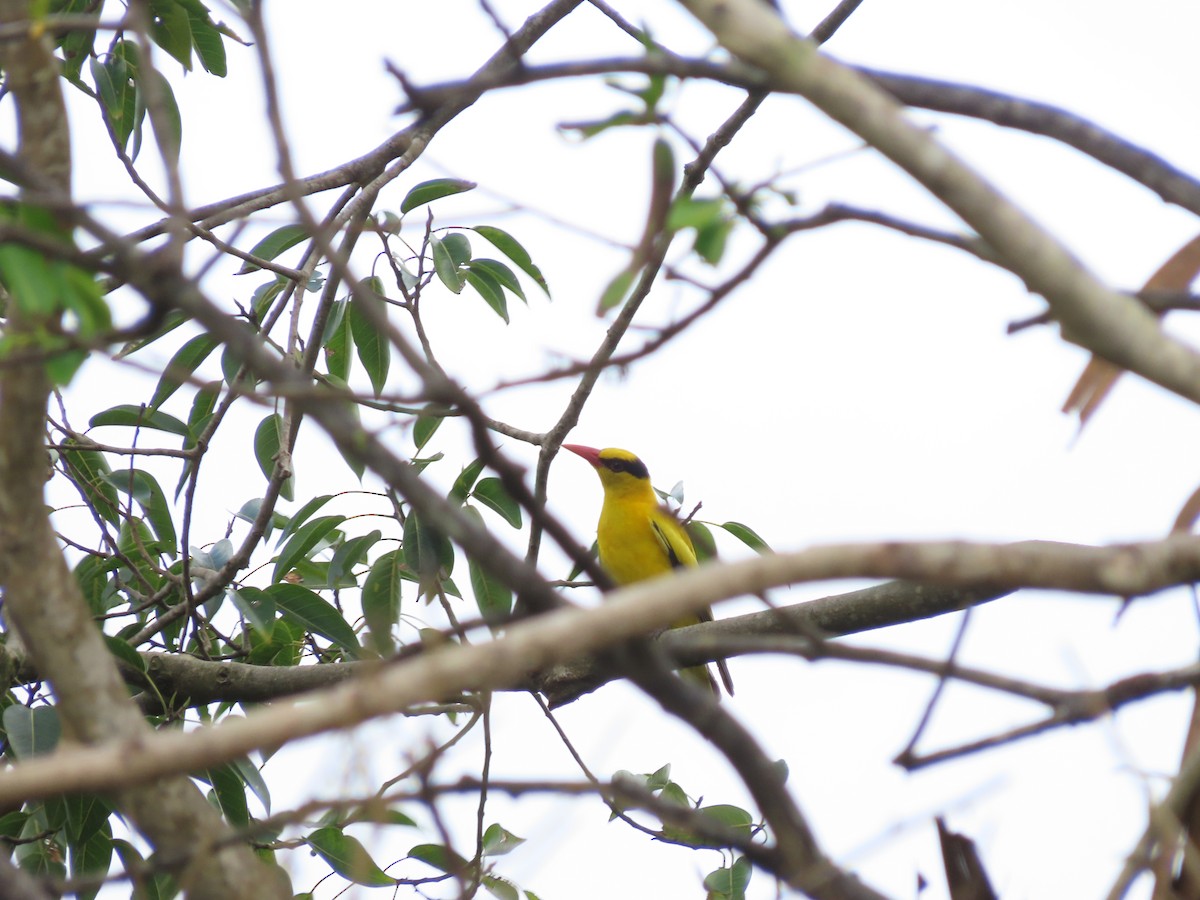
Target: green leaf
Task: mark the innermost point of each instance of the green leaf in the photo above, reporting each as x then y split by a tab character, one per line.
266	447
510	247
207	40
732	817
492	494
115	83
348	857
142	486
314	614
489	289
305	542
278	241
616	291
91	858
465	481
500	273
159	887
302	515
747	536
458	246
229	794
428	191
171	30
89	470
427	552
702	540
711	240
445	266
86	815
253	779
125	652
139	417
424	427
31	732
381	599
374	349
501	888
729	883
690	212
440	857
170	139
493	598
182	366
339	344
349	555
497	841
257	607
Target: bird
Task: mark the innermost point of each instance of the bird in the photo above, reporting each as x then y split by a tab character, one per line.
639	538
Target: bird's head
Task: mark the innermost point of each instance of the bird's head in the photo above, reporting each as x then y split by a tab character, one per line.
618	469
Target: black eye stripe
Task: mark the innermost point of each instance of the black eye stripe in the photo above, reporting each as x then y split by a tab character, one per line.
634	467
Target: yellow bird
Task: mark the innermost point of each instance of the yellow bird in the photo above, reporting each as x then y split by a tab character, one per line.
639	538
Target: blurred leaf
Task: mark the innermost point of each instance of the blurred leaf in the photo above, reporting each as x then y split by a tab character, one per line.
170	121
465	481
86	815
424	428
314	614
229	794
339	343
114	78
253	779
349	555
500	888
142	486
381	599
492	493
302	515
278	241
139	417
510	247
616	291
493	598
428	191
266	447
258	608
692	212
445	266
91	857
702	541
88	469
497	841
31	732
747	536
428	552
374	348
182	366
303	543
125	652
729	883
348	857
440	857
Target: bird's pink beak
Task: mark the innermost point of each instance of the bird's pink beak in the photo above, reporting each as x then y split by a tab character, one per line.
591	454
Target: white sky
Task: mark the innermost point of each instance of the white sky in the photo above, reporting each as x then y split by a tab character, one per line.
861	387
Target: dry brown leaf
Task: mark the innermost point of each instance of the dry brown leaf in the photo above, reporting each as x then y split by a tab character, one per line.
1098	378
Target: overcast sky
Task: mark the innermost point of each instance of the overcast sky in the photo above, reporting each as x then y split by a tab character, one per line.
861	387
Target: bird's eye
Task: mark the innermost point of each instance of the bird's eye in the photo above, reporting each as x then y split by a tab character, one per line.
617	465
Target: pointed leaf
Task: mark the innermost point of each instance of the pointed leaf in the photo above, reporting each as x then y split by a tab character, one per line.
492	494
489	289
138	417
266	447
445	266
278	241
182	366
314	614
348	857
303	542
510	247
428	191
374	349
381	599
493	598
747	536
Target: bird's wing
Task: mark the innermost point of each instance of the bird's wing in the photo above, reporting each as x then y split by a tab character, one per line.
674	540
